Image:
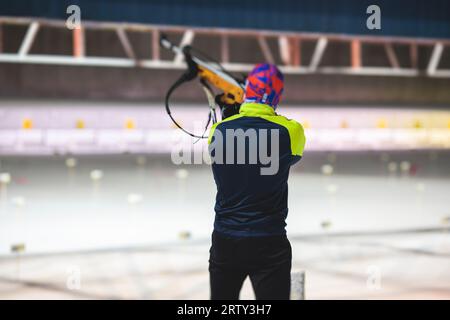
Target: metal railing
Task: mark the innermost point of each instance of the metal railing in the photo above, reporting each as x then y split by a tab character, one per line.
288	44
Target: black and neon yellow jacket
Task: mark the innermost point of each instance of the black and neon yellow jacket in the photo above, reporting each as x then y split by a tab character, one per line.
248	203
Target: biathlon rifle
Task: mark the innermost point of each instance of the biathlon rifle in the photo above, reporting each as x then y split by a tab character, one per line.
210	73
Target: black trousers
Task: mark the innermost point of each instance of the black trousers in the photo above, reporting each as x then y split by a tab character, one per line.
266	260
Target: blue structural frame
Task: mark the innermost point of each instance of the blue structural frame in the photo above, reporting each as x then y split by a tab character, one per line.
411	18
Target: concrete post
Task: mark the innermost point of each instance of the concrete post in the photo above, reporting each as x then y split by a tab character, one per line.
298	285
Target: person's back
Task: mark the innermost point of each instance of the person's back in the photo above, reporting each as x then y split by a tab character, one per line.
251	156
252	193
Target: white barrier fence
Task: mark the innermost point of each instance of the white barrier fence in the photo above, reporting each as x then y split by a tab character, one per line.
37	128
91	141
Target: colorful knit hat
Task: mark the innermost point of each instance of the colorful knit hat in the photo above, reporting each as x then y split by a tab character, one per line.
264	85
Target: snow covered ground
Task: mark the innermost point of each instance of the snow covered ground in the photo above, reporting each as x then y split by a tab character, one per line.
376	227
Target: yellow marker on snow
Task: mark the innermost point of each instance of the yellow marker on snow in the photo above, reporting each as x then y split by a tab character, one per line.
184	235
382	124
27	124
129	124
80	124
418	124
306	124
344	124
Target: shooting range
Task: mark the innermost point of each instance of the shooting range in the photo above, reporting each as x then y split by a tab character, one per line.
103	196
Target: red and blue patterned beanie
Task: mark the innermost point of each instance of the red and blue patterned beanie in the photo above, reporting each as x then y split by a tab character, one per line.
265	84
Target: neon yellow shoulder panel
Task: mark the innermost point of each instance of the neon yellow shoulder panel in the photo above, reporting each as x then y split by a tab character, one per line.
214	126
295	129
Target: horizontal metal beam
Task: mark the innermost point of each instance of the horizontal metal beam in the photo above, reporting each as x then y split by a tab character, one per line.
229	31
443	73
370	71
161	64
67	60
286	40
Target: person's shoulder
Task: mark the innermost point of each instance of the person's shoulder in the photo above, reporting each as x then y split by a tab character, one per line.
292	125
221	123
296	133
211	131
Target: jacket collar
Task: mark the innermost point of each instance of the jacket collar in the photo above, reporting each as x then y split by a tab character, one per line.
256	109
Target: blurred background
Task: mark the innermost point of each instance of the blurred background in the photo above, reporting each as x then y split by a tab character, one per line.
93	207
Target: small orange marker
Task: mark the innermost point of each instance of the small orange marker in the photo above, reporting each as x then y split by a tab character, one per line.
129	124
418	124
382	124
80	124
27	124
